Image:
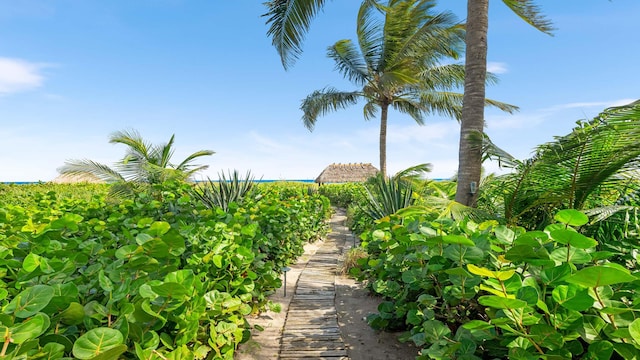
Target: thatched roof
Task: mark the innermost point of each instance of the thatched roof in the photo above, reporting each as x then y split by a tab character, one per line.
72	179
342	173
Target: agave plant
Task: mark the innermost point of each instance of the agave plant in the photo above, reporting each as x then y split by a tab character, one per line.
144	163
225	191
385	196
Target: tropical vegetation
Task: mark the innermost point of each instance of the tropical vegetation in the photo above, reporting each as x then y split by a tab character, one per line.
399	62
159	275
144	163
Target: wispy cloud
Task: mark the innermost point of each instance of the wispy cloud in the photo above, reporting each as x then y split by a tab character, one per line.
592	104
497	67
19	75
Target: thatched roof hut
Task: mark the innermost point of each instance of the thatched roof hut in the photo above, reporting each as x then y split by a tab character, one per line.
343	173
78	178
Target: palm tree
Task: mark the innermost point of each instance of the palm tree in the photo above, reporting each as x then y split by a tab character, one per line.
289	21
397	63
593	167
472	121
143	163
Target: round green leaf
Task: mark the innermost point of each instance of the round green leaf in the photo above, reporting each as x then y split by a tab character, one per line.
571	217
31	262
30	329
170	289
96	341
573	238
600	276
572	297
30	301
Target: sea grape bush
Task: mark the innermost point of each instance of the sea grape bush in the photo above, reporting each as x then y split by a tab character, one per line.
158	276
463	290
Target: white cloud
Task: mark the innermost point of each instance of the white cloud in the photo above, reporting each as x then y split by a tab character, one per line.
497	67
592	104
18	75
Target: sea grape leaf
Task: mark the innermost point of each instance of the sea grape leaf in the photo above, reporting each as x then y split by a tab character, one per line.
634	330
595	276
30	329
170	289
500	275
573	238
600	350
31	262
571	217
457	239
97	341
30	301
158	228
501	302
572	297
556	274
546	336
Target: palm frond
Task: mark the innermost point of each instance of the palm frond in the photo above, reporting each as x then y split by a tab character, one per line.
528	11
83	167
349	61
289	22
321	102
186	165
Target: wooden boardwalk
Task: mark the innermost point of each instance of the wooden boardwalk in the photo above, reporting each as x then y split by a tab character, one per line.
311	329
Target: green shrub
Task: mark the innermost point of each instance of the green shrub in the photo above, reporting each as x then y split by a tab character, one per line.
463	290
155	276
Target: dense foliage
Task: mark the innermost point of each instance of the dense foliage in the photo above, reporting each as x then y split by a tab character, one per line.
464	290
157	276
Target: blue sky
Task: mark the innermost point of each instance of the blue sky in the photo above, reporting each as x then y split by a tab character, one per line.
74	71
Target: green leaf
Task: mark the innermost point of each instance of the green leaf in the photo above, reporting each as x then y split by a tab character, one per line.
555	275
600	276
573	238
572	297
96	341
31	262
30	301
500	275
592	325
600	350
105	282
128	251
528	294
112	353
571	217
546	336
217	260
457	239
500	302
634	330
30	329
158	228
170	289
504	234
576	255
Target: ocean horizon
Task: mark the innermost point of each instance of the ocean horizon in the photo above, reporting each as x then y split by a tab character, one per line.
258	181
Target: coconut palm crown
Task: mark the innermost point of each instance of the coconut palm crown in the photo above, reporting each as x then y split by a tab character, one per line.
143	163
399	62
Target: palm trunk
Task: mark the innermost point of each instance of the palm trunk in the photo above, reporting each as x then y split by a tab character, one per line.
383	139
470	154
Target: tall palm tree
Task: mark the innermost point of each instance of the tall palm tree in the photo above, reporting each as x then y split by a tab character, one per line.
289	21
397	63
143	163
472	121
